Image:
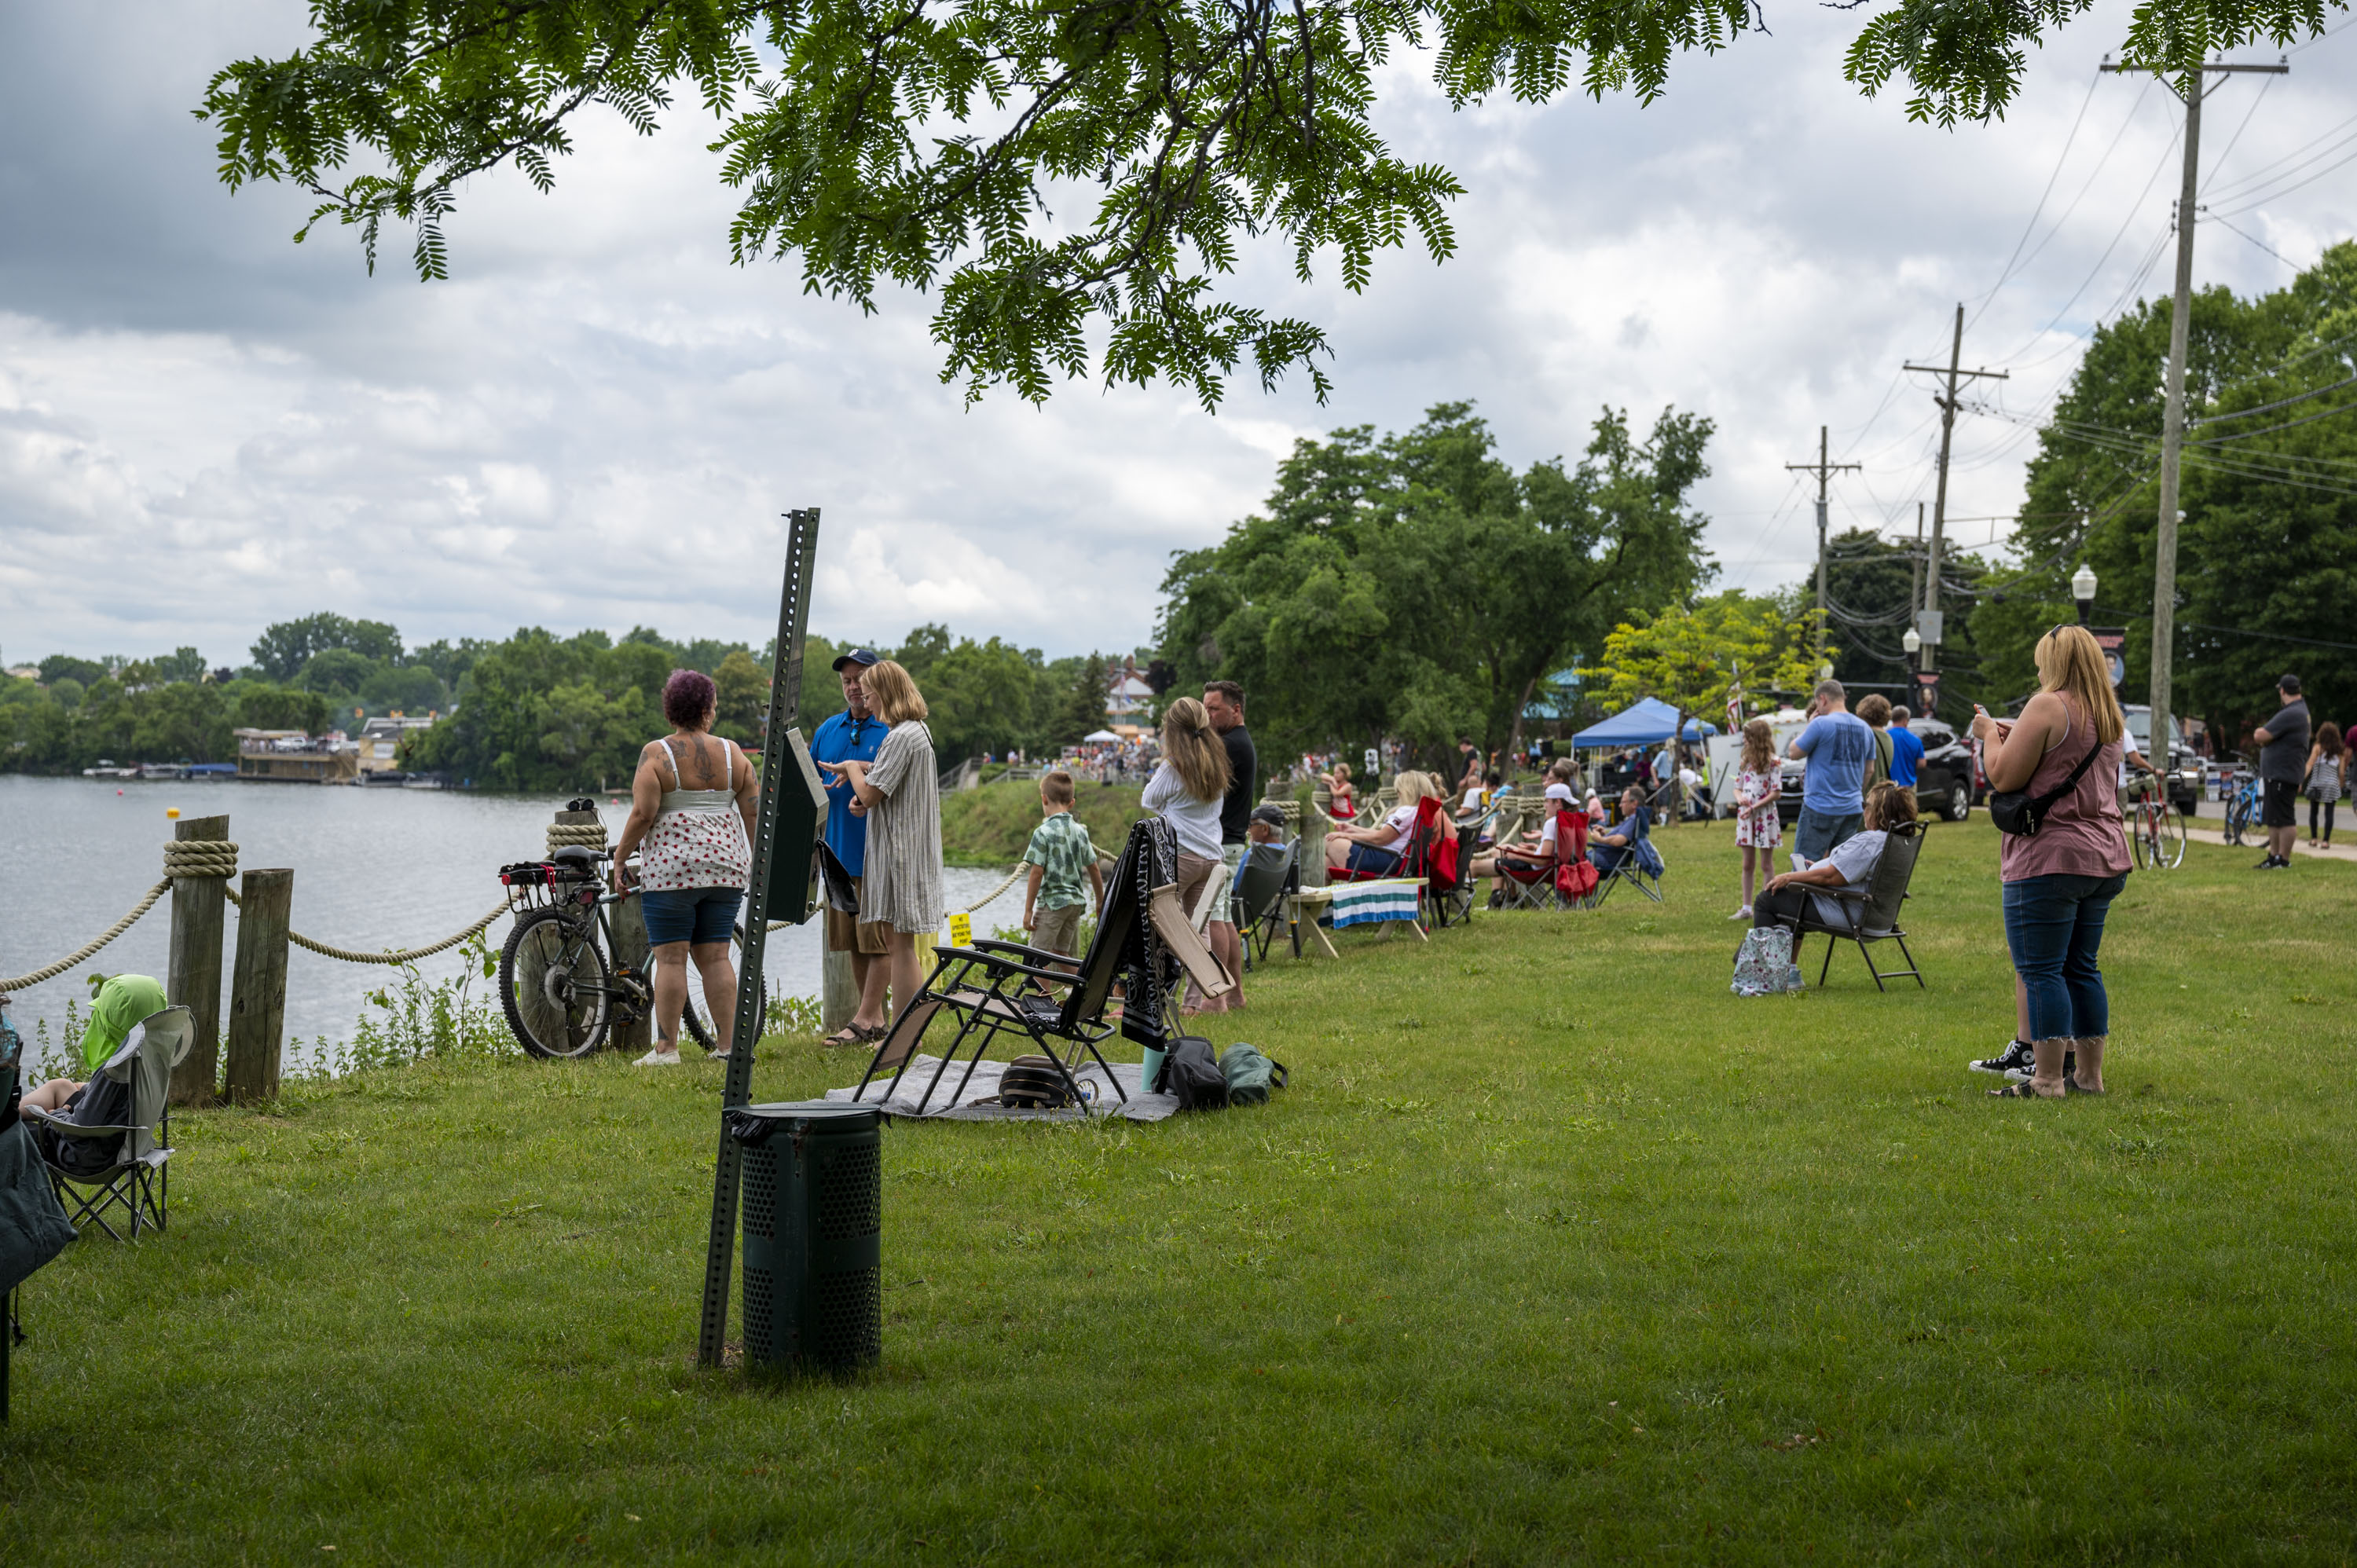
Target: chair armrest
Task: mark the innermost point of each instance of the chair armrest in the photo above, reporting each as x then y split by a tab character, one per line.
56	1123
998	965
992	944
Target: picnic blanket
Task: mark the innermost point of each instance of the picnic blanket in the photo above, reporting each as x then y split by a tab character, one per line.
984	1086
1365	903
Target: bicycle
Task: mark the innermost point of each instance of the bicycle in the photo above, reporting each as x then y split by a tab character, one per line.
2242	804
2156	830
560	993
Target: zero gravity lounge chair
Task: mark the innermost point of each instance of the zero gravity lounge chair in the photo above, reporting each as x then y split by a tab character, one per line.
993	988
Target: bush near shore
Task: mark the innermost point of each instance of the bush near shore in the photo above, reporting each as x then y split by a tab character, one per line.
990	825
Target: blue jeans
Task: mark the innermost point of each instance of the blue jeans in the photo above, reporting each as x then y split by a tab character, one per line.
1822	832
2054	925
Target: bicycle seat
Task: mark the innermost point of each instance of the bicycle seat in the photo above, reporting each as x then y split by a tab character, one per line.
578	857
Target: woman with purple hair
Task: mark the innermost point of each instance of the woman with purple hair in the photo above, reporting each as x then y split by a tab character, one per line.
691	806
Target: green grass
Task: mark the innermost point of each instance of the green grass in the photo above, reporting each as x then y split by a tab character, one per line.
1555	1250
991	825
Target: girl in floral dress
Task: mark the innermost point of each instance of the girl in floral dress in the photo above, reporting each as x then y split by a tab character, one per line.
1759	786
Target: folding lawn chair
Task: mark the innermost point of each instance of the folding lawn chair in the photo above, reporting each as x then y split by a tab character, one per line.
1638	865
1269	873
1568	882
992	988
1870	914
119	1161
1448	879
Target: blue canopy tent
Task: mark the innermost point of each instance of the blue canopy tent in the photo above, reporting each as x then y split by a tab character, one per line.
1646	721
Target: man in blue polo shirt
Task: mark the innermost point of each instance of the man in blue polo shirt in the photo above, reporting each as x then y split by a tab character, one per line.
853	735
1837	744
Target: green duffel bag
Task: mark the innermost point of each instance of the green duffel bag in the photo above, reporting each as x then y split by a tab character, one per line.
1250	1074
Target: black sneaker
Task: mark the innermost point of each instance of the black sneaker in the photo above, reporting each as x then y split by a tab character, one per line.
2028	1070
2016	1054
2270	864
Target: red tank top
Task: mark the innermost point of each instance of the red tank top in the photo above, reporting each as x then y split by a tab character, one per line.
2081	834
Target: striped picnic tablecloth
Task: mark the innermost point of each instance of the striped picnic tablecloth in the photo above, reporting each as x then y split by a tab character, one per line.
1366	903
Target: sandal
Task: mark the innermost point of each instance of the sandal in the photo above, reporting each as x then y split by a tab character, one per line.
2070	1086
851	1034
2023	1090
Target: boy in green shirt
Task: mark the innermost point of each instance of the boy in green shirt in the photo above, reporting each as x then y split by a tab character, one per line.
1059	855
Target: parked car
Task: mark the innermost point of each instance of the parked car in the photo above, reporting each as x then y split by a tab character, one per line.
1946	782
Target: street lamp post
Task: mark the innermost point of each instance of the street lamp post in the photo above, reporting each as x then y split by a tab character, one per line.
1913	642
2083	588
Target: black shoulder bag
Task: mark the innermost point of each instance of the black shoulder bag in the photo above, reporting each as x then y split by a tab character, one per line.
2019	812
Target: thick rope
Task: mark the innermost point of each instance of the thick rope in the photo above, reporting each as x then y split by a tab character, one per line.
23	981
200	857
406	955
591	835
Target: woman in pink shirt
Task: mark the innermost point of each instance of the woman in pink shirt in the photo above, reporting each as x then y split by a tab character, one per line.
2059	882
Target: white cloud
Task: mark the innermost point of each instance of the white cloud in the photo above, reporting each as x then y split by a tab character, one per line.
599	421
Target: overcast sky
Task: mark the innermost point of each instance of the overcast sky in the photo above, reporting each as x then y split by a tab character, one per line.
204	428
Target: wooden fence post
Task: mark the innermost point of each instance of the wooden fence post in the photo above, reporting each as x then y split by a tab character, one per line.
838	998
194	978
257	1008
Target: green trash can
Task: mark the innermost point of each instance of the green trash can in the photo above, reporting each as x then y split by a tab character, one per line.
814	1223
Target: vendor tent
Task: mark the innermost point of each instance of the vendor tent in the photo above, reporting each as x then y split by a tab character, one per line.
1642	722
1105	734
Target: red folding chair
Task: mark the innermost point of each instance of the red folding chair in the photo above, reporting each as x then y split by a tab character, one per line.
1536	885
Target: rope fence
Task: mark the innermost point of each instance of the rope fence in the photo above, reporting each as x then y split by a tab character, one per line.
23	981
405	955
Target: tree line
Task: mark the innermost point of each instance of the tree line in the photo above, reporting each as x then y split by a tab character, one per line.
534	711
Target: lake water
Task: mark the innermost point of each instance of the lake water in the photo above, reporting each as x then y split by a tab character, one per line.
373	868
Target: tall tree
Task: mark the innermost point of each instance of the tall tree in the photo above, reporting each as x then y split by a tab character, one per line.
954	148
1416	587
1692	657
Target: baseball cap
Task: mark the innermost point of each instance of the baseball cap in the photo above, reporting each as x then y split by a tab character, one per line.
1274	816
859	656
1558	791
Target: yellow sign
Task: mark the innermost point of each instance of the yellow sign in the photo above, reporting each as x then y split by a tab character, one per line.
961	930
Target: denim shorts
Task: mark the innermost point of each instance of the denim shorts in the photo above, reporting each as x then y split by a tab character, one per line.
1369	860
698	915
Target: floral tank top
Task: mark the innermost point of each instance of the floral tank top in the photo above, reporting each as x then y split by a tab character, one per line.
698	840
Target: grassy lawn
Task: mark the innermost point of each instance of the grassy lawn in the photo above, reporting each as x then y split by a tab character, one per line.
1555	1250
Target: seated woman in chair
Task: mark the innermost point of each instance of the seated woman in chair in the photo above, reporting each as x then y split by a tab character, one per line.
1378	849
1889	809
1526	859
1607	849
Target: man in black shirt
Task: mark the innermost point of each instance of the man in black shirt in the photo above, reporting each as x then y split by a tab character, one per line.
2283	758
1225	702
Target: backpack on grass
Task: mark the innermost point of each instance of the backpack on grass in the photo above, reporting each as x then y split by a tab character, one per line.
1250	1075
1191	1073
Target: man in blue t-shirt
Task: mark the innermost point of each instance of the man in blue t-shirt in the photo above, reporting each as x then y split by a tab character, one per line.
1837	745
1906	751
853	735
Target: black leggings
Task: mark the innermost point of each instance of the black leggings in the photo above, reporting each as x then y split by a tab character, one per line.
2315	804
1781	908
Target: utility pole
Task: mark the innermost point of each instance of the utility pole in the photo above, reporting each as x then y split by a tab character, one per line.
1823	470
1927	621
2172	418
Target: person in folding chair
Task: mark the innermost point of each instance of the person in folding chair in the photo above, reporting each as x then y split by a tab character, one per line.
1625	851
1793	898
106	1134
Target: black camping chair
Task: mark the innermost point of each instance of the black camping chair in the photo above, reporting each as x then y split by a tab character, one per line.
1269	873
1870	914
1450	898
1639	866
993	988
121	1162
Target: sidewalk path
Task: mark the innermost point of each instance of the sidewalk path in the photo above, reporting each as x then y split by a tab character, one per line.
2255	839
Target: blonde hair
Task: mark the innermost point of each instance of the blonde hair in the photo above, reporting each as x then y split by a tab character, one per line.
2070	660
892	692
1759	746
1199	757
1341	770
1413	784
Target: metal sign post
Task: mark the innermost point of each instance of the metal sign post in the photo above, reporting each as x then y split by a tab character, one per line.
782	770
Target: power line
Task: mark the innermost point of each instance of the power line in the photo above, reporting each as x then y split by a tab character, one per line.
2028	229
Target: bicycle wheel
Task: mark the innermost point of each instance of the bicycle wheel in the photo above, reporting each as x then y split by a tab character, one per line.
552	984
694	1026
2168	837
2140	837
2238	816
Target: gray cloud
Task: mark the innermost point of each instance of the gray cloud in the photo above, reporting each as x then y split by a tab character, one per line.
204	428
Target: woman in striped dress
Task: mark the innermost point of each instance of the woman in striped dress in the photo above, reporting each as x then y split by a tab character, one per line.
903	884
